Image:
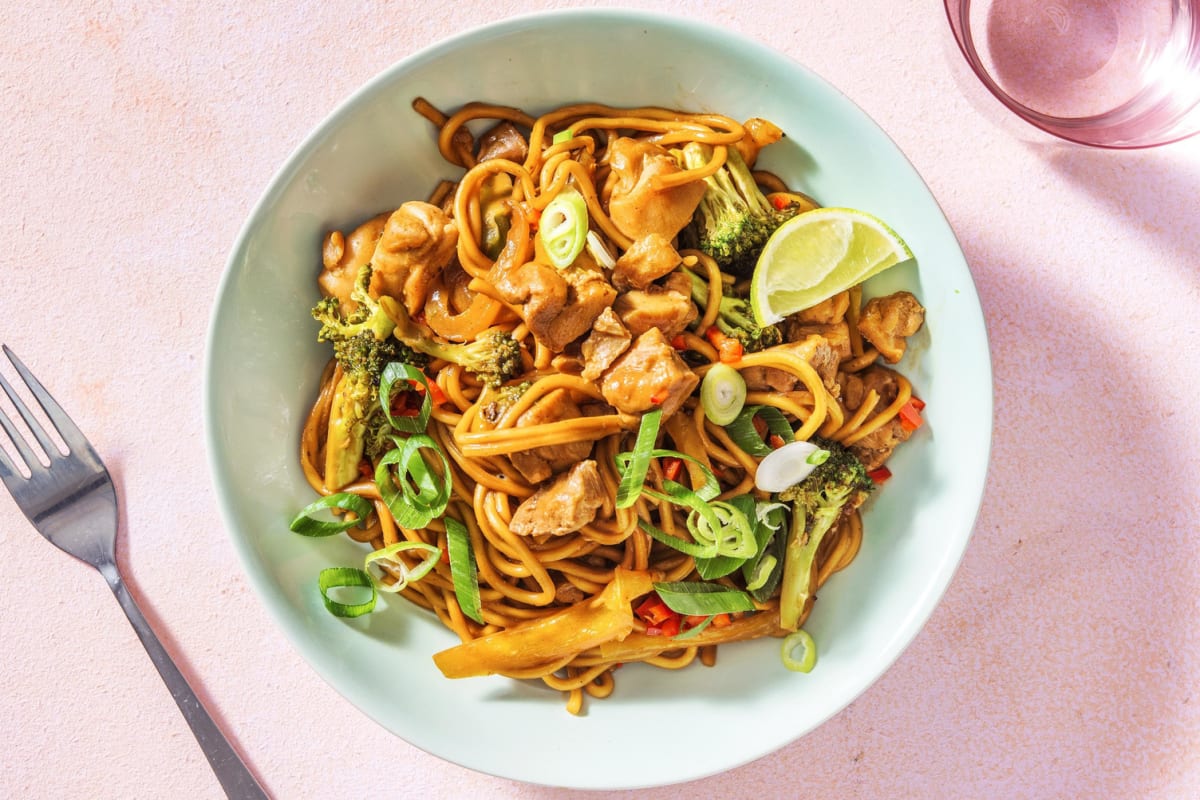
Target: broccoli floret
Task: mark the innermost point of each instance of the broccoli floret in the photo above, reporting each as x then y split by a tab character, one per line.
503	399
734	218
363	345
835	488
494	356
735	319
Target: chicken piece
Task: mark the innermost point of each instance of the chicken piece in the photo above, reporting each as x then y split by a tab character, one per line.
829	311
655	307
876	447
886	322
540	463
343	256
814	349
836	333
646	260
503	140
562	506
417	243
650	374
558	305
759	134
637	207
608	339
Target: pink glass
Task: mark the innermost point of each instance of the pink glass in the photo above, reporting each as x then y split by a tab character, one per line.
1106	73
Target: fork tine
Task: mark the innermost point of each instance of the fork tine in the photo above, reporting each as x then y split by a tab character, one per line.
48	446
24	450
8	472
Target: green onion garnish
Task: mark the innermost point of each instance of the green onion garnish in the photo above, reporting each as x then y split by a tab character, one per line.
693	598
695	629
563	227
633	474
743	434
562	136
415	495
722	394
731	559
346	577
799	652
307	524
462	569
818	457
404	574
404	374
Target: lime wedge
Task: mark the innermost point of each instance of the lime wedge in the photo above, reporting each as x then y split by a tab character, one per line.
817	254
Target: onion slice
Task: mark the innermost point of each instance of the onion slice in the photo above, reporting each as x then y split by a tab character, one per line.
787	466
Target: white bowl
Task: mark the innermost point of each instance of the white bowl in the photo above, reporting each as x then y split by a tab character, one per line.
263	363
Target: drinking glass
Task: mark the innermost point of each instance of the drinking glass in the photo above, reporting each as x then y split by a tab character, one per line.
1106	73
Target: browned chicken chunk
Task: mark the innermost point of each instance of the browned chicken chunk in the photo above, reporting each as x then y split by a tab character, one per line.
828	311
343	256
655	307
540	463
635	203
417	242
562	506
503	140
558	305
648	375
608	339
646	260
886	322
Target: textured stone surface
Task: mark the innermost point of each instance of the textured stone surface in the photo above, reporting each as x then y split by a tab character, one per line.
1064	659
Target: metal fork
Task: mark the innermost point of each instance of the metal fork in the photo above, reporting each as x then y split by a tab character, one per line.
73	504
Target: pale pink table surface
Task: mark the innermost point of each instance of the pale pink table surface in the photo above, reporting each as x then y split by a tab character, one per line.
1064	659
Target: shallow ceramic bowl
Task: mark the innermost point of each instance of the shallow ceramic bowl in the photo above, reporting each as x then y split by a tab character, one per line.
263	364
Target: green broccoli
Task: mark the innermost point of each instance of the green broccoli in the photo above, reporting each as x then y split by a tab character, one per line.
503	399
363	345
494	356
835	488
735	319
734	219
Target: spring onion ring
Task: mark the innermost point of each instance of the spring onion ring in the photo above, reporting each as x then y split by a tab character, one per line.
346	577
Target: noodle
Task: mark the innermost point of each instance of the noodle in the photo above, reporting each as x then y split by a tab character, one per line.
503	448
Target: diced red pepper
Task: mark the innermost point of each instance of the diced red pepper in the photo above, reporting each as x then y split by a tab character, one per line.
660	397
775	441
917	402
670	627
678	342
910	414
714	336
653	611
780	201
879	474
722	620
692	620
760	426
672	467
730	350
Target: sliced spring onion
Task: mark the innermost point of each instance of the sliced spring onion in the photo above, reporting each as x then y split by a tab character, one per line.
694	598
698	551
721	522
600	251
341	578
563	227
463	570
722	394
799	652
413	507
695	629
384	560
786	466
633	474
742	431
760	572
722	565
307	523
819	457
562	136
398	376
763	572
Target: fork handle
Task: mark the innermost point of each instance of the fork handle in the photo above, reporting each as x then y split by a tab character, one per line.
236	779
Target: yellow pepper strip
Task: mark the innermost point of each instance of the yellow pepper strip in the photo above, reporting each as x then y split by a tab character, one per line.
604	618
